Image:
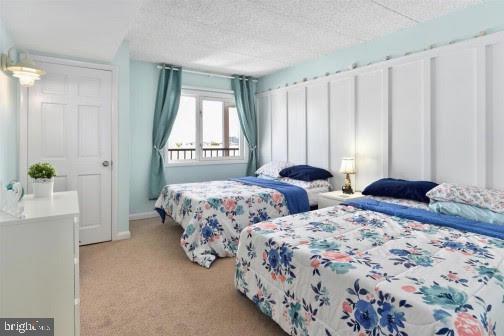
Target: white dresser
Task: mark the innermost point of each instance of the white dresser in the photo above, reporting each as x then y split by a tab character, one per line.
39	262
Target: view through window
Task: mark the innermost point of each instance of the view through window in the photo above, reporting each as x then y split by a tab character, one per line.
182	140
206	128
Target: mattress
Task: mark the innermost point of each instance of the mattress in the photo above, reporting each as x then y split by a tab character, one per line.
346	271
214	213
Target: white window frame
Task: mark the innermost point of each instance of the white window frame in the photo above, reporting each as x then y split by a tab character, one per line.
228	100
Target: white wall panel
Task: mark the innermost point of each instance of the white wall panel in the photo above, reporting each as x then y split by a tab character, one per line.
495	115
342	124
453	117
435	115
264	128
318	124
406	128
297	125
368	122
279	126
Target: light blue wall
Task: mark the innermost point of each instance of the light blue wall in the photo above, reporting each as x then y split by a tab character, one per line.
9	91
461	24
144	77
196	80
122	62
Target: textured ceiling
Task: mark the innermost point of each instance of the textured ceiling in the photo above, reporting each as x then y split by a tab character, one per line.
257	37
253	37
91	29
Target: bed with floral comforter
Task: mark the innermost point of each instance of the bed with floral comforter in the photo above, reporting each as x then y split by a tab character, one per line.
214	213
347	271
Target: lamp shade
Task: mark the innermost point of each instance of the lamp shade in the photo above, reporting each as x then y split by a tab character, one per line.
24	69
27	73
347	166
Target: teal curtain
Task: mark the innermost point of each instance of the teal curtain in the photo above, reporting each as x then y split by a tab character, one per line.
165	111
245	90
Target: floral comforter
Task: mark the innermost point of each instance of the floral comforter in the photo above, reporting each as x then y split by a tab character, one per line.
214	213
346	271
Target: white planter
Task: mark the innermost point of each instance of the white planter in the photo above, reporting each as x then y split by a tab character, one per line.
43	188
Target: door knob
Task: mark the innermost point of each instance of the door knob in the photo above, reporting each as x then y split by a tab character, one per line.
105	163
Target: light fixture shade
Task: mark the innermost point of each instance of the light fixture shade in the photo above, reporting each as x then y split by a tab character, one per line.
25	70
347	166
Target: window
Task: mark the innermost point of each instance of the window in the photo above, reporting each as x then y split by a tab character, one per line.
182	140
206	130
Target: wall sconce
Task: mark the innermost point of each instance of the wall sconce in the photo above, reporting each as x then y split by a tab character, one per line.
24	69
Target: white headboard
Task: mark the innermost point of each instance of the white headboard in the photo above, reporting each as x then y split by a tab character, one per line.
436	115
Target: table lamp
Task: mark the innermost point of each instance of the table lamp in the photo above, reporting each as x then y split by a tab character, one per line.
347	168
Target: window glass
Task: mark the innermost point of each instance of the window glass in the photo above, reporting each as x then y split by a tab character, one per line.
234	132
213	128
182	140
206	128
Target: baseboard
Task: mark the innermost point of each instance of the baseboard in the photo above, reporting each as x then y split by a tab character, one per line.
143	215
122	235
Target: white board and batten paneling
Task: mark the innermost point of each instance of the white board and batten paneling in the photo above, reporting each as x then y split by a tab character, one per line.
406	116
296	125
369	116
279	143
454	117
495	115
264	129
341	123
434	115
317	122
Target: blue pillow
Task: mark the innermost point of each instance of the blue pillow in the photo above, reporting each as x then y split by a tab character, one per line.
412	190
305	173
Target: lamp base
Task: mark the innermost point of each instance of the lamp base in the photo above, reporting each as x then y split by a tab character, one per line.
347	190
347	187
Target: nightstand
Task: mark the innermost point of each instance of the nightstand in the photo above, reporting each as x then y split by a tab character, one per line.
335	197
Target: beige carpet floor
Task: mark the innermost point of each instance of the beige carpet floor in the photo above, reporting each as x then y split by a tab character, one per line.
147	286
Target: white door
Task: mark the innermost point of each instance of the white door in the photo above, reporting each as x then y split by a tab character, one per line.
69	126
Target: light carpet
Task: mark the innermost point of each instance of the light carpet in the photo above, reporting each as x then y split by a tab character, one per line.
147	286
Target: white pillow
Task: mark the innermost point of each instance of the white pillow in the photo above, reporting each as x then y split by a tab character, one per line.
306	184
273	168
484	198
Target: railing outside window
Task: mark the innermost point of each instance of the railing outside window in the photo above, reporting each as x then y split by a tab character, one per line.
177	154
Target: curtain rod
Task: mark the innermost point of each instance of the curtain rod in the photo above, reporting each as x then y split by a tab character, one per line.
200	72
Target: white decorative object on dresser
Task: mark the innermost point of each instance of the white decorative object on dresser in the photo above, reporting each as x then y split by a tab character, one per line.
335	197
39	262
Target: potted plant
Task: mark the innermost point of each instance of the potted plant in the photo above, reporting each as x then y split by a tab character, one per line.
42	175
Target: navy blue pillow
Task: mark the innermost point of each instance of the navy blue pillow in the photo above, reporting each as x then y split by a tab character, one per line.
412	190
305	173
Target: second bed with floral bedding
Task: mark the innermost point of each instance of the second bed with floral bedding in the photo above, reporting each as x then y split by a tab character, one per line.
346	270
214	213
